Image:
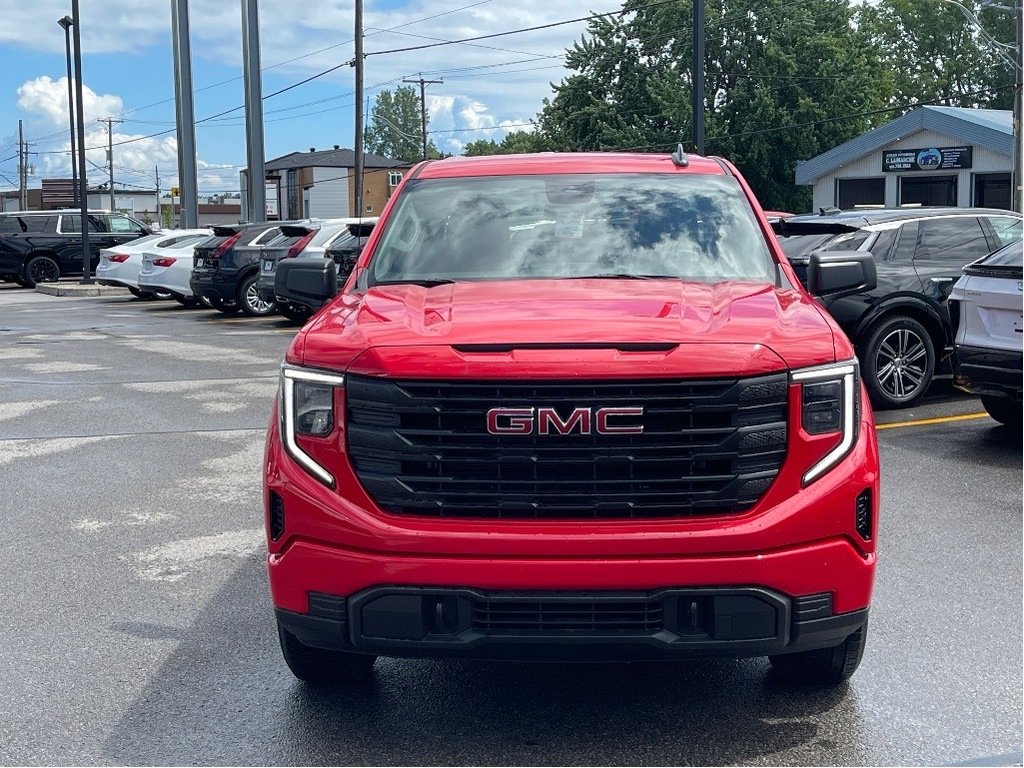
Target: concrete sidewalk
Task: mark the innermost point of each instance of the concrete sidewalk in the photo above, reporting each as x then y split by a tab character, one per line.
77	289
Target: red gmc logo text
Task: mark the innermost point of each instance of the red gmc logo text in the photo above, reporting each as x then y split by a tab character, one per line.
547	421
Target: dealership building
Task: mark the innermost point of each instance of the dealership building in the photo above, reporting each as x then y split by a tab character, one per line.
945	156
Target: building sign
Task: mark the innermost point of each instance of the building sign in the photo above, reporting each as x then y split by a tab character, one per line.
927	159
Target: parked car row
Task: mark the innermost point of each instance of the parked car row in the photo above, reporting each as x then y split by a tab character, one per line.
901	327
218	266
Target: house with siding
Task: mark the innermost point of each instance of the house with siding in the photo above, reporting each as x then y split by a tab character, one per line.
931	156
321	184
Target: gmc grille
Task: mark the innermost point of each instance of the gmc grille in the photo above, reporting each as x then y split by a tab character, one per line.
708	447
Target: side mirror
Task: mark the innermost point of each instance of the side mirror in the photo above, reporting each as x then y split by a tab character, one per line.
834	273
307	282
346	261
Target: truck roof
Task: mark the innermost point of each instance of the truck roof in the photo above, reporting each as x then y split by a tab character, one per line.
564	162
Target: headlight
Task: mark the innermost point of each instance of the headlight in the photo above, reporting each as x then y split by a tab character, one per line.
830	403
307	409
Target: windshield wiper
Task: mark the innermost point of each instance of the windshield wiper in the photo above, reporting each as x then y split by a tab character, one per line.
426	283
621	276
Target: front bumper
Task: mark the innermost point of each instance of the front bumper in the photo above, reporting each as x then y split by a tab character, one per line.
988	371
668	623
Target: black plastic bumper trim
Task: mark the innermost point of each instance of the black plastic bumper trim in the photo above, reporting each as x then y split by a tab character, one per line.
454	636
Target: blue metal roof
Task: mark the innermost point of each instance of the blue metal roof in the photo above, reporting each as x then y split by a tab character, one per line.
989	128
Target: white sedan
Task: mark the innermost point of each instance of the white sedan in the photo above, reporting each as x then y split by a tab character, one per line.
168	266
122	264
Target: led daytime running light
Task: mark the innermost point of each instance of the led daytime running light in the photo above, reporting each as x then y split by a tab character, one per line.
847	374
289	376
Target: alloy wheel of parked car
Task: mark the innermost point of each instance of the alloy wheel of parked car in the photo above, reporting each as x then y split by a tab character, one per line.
898	362
41	269
250	301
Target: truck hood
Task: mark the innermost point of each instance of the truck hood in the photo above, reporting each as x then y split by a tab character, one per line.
707	329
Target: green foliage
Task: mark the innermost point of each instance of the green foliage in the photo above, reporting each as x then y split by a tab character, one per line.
517	143
935	54
395	129
777	75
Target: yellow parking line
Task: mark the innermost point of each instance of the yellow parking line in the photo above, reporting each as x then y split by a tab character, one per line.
938	420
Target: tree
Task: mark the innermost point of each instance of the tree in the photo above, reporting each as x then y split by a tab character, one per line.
516	143
935	54
395	128
778	75
481	147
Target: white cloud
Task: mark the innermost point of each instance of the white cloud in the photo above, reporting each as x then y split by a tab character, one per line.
136	156
49	99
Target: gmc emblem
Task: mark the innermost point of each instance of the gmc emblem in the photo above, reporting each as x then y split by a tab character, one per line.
547	421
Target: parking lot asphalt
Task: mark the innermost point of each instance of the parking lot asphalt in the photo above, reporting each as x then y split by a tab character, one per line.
137	627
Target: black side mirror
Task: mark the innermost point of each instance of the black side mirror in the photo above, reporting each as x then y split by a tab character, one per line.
346	261
834	273
306	282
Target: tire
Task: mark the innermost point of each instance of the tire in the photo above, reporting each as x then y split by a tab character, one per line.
825	666
294	312
138	293
225	307
205	301
320	667
1004	410
40	269
186	301
248	298
897	361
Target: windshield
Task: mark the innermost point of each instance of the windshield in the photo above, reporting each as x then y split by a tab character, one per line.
691	227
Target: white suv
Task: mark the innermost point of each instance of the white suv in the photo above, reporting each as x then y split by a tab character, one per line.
985	308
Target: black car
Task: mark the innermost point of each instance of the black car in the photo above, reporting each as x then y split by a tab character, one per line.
226	267
901	329
42	246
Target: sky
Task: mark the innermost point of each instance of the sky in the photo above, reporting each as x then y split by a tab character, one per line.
489	88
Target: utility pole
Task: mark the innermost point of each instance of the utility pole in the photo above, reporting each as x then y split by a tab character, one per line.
184	113
110	155
698	76
257	187
423	106
83	191
159	207
357	186
65	24
22	178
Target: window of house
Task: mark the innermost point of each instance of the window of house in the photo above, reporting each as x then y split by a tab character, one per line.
860	193
394	178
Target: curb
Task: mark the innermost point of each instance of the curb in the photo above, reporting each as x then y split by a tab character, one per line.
72	289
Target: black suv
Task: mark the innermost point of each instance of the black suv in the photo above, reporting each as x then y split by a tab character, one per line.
901	329
42	246
226	267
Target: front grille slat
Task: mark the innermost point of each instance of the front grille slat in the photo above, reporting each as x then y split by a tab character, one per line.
708	447
553	617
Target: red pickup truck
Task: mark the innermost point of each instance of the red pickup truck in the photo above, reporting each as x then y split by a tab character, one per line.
572	406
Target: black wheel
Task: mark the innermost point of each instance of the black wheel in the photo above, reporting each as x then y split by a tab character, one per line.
320	667
897	361
225	307
294	312
825	666
186	301
249	299
41	269
1004	410
205	301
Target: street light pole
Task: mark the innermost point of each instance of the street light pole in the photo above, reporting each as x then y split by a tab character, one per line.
80	117
66	23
